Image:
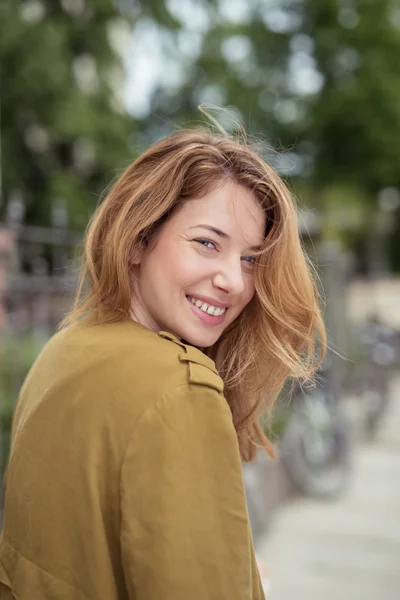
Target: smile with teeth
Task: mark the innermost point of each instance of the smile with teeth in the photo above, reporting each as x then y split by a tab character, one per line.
207	308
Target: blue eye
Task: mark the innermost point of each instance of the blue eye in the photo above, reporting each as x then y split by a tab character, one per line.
249	259
206	243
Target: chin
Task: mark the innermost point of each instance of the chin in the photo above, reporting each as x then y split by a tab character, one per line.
199	340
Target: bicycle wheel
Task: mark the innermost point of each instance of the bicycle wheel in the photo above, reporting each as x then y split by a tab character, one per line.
317	456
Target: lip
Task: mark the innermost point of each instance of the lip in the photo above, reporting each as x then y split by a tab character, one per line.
209	300
205	317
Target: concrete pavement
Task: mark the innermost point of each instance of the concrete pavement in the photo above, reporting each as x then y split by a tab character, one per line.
347	549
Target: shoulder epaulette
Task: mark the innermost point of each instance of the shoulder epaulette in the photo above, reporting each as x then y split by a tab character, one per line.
201	368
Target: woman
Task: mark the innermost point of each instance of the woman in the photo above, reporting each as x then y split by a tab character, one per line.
124	479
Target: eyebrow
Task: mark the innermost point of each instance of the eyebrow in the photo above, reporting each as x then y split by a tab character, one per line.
222	234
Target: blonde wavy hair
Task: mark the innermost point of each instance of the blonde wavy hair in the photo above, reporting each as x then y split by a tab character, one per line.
280	333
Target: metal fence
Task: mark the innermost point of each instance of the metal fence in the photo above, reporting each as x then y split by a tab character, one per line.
37	281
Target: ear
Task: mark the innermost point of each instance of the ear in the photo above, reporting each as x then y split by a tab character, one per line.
137	252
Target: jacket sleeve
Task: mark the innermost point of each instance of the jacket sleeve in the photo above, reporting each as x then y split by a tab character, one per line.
185	531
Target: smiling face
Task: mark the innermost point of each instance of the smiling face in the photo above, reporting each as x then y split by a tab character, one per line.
197	275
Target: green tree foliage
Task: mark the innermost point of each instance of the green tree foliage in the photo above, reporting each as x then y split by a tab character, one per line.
319	78
64	129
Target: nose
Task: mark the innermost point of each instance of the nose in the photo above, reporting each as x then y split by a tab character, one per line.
229	277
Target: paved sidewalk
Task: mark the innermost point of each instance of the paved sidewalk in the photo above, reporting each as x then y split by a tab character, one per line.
348	549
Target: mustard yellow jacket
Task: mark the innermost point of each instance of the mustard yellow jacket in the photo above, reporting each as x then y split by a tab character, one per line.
124	479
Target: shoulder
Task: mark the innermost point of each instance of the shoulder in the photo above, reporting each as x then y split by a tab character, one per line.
199	368
127	352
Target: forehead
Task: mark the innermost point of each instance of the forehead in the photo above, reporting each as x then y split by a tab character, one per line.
231	207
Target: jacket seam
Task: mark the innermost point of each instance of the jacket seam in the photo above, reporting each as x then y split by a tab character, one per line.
8	542
137	425
188	386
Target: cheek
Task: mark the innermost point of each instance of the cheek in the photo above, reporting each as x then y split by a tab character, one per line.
186	267
162	258
192	267
171	266
249	291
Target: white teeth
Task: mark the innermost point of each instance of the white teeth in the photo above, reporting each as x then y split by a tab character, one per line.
207	308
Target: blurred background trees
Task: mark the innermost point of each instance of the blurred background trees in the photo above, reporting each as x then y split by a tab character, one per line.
86	85
318	80
64	126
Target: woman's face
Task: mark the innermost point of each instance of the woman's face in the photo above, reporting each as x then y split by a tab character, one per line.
197	275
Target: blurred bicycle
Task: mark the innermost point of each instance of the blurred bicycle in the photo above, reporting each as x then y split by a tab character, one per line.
316	444
371	380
